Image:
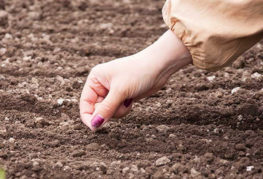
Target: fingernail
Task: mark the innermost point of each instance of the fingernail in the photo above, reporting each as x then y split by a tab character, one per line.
127	102
97	121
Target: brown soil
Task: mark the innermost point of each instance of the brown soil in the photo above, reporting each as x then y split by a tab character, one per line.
191	128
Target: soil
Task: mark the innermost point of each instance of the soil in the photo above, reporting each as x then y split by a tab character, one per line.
201	125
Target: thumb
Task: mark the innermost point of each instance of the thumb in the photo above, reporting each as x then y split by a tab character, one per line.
107	108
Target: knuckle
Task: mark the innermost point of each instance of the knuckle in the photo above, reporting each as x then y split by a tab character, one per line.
96	69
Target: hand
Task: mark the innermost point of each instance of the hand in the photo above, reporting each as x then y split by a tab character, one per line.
111	87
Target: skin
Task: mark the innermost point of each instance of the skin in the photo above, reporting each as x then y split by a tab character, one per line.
133	77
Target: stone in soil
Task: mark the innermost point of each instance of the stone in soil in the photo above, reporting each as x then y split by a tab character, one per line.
162	128
162	161
93	146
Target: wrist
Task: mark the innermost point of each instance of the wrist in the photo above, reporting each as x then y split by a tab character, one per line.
167	55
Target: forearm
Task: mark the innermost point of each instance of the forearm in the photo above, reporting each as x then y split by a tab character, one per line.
167	54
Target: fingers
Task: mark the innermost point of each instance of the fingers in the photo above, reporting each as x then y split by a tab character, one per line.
97	86
122	110
87	100
107	108
99	100
93	92
98	105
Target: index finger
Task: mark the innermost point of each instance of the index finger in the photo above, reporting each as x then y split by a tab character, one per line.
93	92
87	103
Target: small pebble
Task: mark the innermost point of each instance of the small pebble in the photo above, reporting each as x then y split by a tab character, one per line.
250	168
209	157
35	164
125	170
158	104
115	163
2	51
226	75
197	159
218	94
103	167
234	90
169	101
66	168
216	130
24	177
105	25
8	36
223	161
41	122
162	128
93	147
177	168
134	168
194	173
60	101
245	76
11	140
172	136
142	170
256	76
210	78
153	136
2	132
27	58
34	15
78	127
240	117
162	161
59	164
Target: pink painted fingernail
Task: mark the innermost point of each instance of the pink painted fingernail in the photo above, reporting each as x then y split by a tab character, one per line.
127	102
97	121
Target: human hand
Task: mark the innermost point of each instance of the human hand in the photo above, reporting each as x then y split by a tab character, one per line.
112	87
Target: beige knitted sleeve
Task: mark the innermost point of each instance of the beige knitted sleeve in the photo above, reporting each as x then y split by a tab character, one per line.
216	32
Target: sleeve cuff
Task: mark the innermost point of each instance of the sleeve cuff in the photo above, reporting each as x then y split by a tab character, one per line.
214	39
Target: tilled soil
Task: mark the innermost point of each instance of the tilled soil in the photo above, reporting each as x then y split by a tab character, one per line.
201	125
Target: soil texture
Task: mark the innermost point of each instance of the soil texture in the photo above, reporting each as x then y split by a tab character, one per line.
200	125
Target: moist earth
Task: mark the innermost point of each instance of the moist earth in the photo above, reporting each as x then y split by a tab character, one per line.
200	125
